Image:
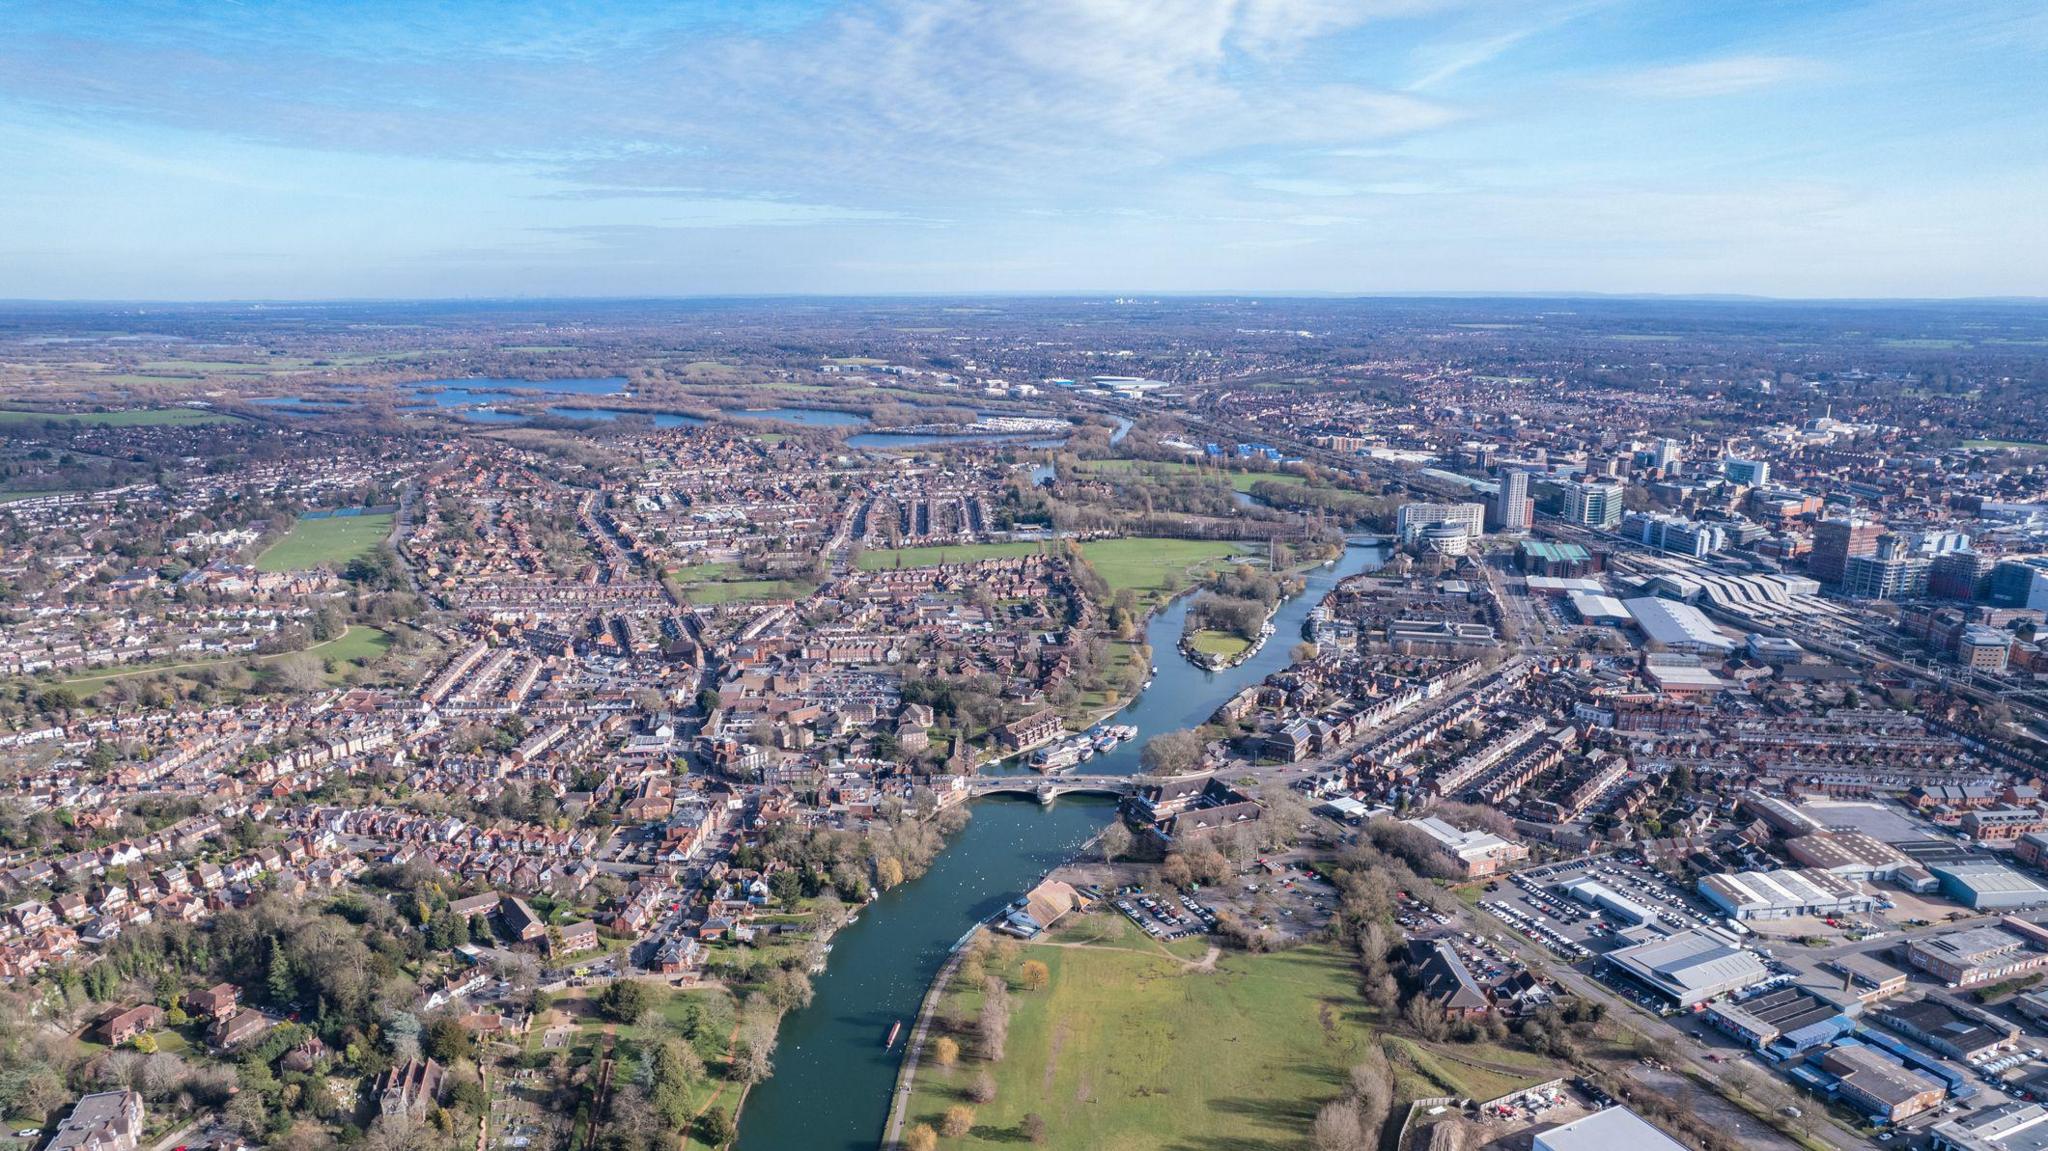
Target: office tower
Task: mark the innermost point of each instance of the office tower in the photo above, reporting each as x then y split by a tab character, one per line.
1413	519
1748	473
1513	510
1835	542
1901	575
1963	575
2020	582
1593	503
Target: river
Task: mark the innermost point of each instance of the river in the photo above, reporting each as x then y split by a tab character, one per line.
832	1081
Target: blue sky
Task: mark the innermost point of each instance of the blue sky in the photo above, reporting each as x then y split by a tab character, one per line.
253	150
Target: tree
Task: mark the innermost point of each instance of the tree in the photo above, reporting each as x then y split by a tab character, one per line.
946	1051
922	1138
888	872
983	1088
1337	1128
1173	753
1035	975
959	1121
716	1127
449	1039
994	1024
1033	1127
1175	872
623	1000
1115	841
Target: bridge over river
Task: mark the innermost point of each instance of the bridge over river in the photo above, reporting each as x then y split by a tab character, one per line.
1050	787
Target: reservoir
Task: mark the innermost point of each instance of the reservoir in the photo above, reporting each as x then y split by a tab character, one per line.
832	1081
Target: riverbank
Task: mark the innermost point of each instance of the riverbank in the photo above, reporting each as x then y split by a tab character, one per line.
1191	1044
834	1081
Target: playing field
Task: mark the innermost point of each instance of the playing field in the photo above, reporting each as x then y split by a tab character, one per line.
945	554
138	417
334	541
1144	565
1218	643
1132	1049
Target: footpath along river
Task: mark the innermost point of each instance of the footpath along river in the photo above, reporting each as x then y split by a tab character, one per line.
832	1081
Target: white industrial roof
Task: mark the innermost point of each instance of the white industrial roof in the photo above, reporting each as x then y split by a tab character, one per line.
1615	1129
1591	606
1676	624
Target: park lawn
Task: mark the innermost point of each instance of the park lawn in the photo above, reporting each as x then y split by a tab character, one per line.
1127	1051
2021	444
1242	481
746	591
359	646
1145	565
944	554
706	573
334	541
1218	643
131	418
1142	564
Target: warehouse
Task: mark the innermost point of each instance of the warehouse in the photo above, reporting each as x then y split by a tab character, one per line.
2006	1127
1601	897
1849	854
1988	886
1599	610
1689	968
1974	955
1943	1027
1678	626
1785	894
1614	1129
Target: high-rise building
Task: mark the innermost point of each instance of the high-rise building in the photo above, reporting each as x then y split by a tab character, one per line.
1664	455
1410	521
1593	503
1898	576
1835	542
1675	533
2020	582
1513	510
1964	575
1748	473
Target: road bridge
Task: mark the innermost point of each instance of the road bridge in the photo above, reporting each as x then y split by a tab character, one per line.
1046	788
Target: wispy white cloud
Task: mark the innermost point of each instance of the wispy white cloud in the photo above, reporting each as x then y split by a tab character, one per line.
1700	79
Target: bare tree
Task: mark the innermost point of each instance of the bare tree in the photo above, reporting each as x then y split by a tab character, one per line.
1337	1128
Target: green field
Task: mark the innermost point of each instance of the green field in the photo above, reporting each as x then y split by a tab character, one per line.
745	591
132	418
1218	643
944	554
333	541
1242	481
359	646
1145	565
1132	1049
1993	444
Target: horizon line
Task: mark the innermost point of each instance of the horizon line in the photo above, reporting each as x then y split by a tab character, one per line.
989	294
